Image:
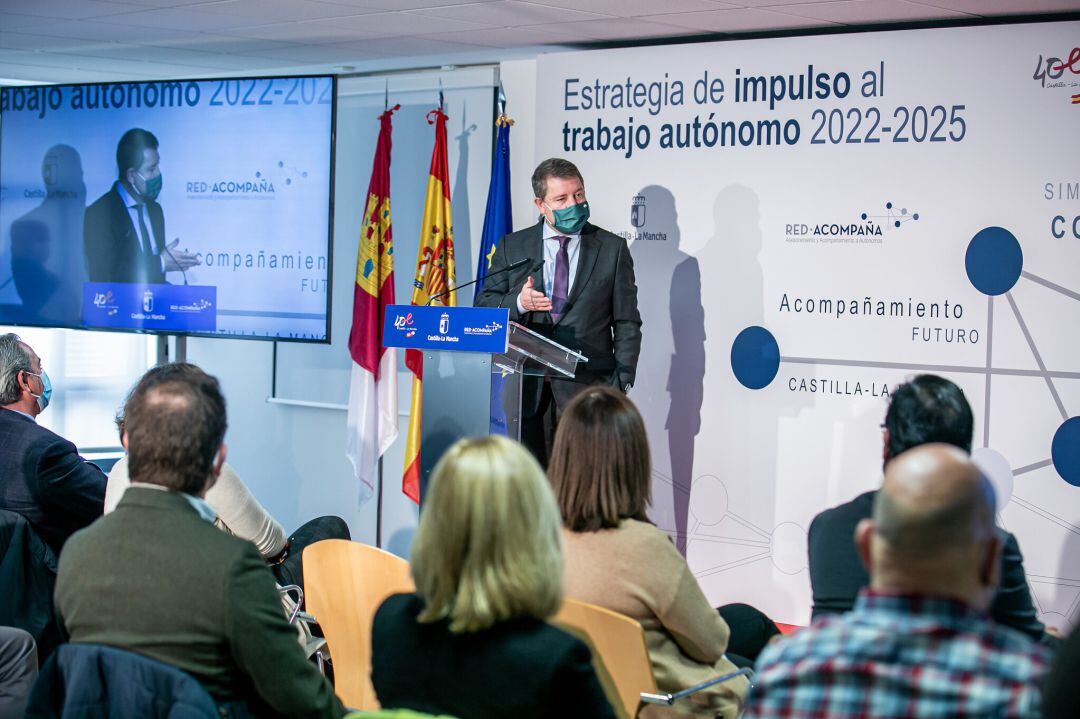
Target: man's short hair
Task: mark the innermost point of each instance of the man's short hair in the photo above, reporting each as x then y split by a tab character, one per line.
928	409
155	375
129	151
175	422
553	167
14	358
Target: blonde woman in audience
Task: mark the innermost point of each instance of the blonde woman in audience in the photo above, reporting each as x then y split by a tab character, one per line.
616	558
473	641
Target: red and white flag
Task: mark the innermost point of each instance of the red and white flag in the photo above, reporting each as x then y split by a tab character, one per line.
372	418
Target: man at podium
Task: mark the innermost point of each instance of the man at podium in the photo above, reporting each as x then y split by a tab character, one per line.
576	288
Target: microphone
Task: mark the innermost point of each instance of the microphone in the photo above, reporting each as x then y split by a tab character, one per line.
515	266
183	272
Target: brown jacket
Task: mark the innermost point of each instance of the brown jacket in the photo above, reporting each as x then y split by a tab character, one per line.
635	570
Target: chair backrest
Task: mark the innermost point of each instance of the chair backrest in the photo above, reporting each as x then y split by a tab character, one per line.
345	582
620	643
95	680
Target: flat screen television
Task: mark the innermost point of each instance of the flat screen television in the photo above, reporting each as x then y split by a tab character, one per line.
197	207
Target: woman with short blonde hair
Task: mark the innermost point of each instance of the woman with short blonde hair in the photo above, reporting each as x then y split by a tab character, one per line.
487	561
491	507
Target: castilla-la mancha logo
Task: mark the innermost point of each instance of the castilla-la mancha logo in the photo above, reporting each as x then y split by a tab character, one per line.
637	211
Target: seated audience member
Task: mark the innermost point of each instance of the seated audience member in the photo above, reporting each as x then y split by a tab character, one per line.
1061	690
473	641
157	578
919	642
616	558
42	476
237	510
18	670
926	409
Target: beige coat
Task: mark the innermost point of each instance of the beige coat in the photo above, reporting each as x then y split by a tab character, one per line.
635	570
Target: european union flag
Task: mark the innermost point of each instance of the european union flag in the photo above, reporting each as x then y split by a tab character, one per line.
497	223
497	218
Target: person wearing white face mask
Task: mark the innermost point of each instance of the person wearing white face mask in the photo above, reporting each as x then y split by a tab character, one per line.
124	229
42	476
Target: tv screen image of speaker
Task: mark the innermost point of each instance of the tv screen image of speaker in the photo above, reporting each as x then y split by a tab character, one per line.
188	192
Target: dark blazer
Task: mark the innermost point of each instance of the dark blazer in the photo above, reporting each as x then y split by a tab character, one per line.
43	478
155	578
88	681
28	576
837	574
522	668
114	252
600	319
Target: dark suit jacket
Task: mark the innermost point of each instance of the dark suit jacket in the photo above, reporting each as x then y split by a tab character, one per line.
90	681
600	319
43	478
837	574
28	576
114	252
155	578
522	668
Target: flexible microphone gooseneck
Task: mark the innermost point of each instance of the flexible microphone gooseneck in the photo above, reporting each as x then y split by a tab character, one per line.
515	266
178	265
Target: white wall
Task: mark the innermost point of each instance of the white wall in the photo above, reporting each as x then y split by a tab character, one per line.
293	458
519	83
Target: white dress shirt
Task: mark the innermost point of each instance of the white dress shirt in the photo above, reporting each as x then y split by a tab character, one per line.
132	206
551	251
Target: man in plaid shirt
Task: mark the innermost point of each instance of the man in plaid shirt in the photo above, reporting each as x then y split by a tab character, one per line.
919	642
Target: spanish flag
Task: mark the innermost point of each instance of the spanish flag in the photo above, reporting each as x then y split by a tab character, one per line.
372	419
434	276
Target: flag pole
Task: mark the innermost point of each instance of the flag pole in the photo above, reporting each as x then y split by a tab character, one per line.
378	506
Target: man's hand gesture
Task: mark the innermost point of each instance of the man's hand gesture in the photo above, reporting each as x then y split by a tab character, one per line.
532	300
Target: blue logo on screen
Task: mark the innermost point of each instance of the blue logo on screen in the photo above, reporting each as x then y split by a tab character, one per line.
165	308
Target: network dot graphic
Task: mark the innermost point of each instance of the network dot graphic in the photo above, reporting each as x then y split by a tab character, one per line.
755	357
1065	451
994	265
994	261
892	216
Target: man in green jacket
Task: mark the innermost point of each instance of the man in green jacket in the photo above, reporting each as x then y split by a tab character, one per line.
157	578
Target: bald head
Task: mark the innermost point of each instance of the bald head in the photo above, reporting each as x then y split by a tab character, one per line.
932	530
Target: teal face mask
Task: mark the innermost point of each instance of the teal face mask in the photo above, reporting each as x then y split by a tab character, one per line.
570	220
153	186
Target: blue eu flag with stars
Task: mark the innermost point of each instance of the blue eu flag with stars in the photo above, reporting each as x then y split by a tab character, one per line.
497	223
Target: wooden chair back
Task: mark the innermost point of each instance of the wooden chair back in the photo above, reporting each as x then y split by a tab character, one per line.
618	642
345	583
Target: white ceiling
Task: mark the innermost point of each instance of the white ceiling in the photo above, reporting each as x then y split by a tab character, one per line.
89	40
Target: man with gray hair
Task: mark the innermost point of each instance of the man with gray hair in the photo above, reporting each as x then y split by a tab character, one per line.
42	476
919	642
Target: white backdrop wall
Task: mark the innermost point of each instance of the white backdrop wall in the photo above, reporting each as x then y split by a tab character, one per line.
293	457
868	192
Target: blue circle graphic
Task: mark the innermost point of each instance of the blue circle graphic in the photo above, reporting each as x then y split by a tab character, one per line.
994	261
1065	451
755	357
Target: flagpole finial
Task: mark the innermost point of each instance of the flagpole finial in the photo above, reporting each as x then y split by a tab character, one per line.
442	105
502	100
386	96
